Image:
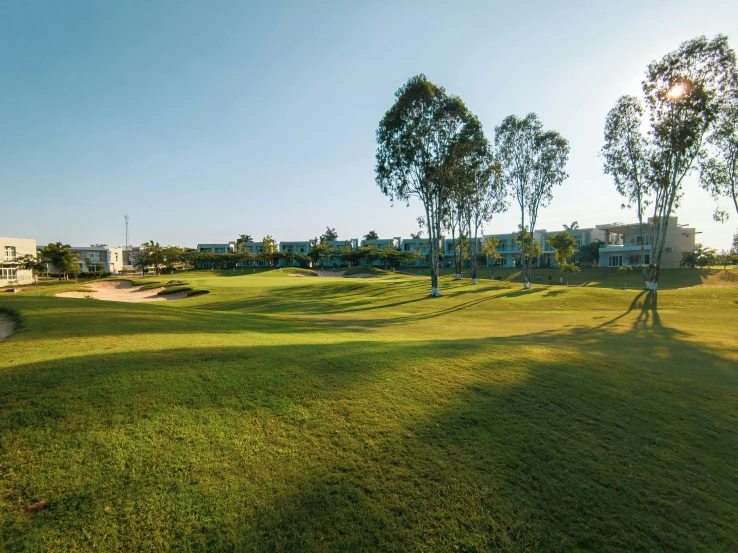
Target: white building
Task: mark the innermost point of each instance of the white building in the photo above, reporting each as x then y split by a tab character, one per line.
12	250
99	258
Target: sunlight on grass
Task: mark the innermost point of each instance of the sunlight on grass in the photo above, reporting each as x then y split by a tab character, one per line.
283	413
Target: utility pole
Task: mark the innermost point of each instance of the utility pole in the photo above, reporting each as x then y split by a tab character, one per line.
126	218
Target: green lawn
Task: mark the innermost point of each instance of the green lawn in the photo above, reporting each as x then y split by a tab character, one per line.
331	414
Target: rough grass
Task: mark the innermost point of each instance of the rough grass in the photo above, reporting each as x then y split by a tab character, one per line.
284	414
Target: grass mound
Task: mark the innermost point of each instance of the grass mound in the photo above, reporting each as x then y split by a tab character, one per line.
167	285
197	293
361	270
174	290
299	271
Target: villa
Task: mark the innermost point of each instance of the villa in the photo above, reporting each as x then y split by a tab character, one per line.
12	250
623	244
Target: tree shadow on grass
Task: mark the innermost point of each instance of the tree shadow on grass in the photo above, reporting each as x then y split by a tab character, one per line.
543	441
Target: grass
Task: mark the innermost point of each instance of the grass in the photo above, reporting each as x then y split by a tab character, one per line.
325	414
361	270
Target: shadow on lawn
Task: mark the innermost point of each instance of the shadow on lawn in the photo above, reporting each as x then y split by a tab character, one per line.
471	445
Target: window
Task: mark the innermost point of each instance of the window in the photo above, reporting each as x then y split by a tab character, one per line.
9	274
9	252
205	250
647	259
94	256
219	250
615	261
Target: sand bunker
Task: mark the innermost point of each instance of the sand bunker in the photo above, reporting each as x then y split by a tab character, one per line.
121	291
7	325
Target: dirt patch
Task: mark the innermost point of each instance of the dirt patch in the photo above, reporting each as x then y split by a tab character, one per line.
7	326
122	291
330	273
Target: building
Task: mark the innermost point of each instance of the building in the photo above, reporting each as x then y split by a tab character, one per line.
340	245
12	250
623	244
99	258
583	237
420	246
293	249
229	247
381	244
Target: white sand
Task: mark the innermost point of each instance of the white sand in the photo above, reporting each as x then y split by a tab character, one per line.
7	325
121	291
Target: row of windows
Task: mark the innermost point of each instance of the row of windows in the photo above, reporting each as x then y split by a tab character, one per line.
8	274
9	251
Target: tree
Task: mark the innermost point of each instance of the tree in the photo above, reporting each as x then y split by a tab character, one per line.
172	255
319	252
569	268
60	257
330	235
415	143
533	161
371	235
719	164
31	263
626	158
589	254
489	250
529	248
574	226
155	255
480	185
241	240
563	245
685	95
624	270
140	260
75	269
269	251
734	249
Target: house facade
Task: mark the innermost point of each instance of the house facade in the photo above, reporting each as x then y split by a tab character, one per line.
293	249
12	250
621	247
582	236
99	258
380	244
623	244
419	246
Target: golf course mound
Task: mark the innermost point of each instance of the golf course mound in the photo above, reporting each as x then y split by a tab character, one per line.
362	272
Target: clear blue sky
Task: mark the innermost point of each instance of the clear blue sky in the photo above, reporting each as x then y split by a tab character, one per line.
202	120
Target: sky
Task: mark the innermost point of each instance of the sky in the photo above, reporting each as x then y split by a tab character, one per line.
205	120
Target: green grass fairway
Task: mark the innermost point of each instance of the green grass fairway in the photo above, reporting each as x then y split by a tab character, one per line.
332	414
